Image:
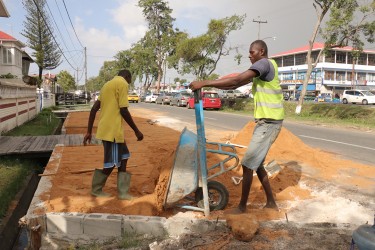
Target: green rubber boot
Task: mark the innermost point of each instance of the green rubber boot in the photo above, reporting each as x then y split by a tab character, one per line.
98	182
123	184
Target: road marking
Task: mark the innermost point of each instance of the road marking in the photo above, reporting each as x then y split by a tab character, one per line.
348	144
208	118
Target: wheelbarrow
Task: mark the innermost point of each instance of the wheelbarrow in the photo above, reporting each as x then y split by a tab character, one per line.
190	173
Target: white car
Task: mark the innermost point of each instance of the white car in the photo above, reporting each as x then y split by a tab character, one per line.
151	98
238	94
358	96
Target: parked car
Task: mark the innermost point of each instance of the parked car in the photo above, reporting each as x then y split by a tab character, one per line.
325	97
151	98
226	94
163	98
358	96
142	98
133	97
238	94
210	100
180	99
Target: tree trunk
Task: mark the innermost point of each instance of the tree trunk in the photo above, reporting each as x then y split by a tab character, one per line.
40	74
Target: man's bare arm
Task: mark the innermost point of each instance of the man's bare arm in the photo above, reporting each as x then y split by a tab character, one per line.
95	108
129	120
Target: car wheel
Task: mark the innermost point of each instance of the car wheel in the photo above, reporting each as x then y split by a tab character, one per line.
344	101
364	102
218	196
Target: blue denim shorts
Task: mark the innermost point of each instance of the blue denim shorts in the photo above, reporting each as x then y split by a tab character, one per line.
263	136
114	153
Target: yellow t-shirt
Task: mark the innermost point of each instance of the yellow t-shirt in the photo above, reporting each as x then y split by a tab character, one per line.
113	96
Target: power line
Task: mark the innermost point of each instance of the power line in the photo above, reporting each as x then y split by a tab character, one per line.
65	25
45	22
62	37
72	24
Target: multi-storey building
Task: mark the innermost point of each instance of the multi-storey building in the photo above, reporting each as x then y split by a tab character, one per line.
334	72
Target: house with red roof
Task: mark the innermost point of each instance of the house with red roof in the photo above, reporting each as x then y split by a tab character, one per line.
13	59
334	72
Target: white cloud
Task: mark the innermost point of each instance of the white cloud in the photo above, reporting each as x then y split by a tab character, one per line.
129	16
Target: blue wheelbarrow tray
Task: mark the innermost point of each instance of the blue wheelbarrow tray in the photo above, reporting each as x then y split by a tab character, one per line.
184	177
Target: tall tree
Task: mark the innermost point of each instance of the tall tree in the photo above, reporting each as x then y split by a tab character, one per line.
38	31
66	81
140	60
200	55
341	30
160	33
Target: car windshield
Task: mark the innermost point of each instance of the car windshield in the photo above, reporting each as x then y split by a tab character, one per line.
211	95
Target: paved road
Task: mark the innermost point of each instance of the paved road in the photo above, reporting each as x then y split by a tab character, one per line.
355	145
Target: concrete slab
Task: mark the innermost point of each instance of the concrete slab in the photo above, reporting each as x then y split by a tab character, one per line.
103	225
65	223
151	225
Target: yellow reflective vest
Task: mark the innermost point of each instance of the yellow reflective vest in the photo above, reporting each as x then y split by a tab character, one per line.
268	97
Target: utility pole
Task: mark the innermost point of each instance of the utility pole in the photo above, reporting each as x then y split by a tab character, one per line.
259	22
85	68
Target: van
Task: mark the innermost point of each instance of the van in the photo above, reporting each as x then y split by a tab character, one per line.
358	96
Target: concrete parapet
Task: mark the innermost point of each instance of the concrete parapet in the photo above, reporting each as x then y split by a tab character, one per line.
178	225
66	223
103	225
151	225
65	229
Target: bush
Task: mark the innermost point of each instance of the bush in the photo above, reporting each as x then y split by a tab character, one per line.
238	104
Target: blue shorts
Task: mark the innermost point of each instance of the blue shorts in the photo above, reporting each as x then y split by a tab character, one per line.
263	136
114	153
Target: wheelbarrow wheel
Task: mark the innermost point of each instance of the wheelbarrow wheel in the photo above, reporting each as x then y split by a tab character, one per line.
218	196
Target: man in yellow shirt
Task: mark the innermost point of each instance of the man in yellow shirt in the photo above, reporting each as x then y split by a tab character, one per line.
113	104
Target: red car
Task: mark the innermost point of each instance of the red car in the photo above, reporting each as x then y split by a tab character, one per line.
210	100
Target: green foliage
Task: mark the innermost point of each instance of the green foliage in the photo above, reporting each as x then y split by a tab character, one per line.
8	76
13	172
45	123
39	38
66	81
12	175
238	104
160	36
350	22
200	55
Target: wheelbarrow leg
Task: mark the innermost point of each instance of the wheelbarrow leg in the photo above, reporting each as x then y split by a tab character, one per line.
201	148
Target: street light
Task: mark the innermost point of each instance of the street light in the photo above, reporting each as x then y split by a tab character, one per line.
273	38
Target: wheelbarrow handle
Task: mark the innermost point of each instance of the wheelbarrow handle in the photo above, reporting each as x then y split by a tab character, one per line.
197	96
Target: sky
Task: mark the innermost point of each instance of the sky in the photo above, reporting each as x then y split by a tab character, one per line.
107	27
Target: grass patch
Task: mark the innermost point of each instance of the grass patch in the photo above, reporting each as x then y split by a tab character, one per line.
128	241
13	173
13	169
45	123
327	113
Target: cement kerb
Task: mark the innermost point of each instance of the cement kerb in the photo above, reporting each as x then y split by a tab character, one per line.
64	228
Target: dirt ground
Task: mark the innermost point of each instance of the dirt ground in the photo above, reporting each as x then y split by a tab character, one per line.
321	197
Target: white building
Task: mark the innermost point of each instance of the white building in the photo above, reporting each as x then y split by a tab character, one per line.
333	73
18	101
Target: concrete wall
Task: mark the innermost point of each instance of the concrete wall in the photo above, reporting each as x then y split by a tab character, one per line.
18	103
